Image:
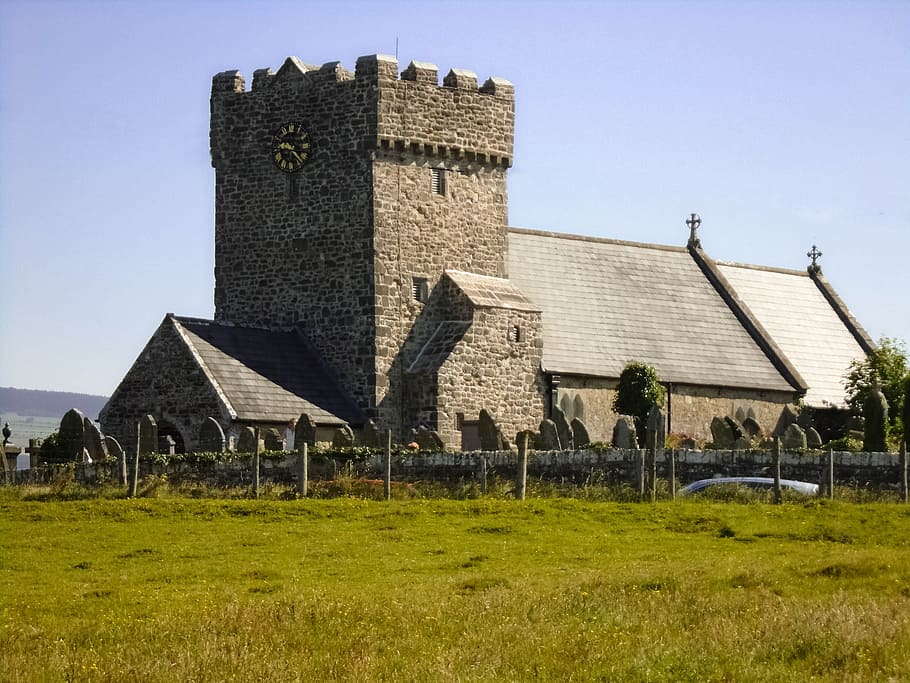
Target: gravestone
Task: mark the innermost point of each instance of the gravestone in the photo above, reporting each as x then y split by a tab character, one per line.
71	436
794	438
741	444
114	449
721	433
93	441
656	428
274	441
752	429
246	443
563	428
166	444
343	437
305	431
624	435
813	438
549	436
428	440
739	415
371	436
211	436
148	435
580	437
531	436
491	437
787	418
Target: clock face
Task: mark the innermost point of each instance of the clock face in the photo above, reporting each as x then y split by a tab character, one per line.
290	147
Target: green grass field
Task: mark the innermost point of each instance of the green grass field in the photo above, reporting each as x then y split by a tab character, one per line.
433	590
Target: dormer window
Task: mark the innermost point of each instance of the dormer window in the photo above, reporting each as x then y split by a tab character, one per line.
438	181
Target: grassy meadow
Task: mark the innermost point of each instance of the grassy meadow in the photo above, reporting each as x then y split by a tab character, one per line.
177	589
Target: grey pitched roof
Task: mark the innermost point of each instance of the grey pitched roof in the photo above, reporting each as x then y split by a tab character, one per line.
438	347
491	292
607	302
806	327
265	375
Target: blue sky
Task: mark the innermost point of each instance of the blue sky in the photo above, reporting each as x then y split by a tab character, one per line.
783	124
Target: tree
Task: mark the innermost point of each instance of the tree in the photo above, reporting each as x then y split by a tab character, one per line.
638	391
885	366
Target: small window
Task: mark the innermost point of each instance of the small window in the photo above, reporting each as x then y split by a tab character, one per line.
438	181
515	333
420	289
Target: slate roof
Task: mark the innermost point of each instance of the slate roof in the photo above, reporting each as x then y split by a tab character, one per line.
491	292
606	302
266	376
803	323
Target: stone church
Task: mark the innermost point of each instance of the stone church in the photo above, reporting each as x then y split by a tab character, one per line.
365	270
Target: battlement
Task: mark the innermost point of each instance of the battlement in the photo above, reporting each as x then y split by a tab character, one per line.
375	69
406	113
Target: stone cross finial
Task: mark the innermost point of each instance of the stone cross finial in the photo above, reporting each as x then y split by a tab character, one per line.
814	254
693	221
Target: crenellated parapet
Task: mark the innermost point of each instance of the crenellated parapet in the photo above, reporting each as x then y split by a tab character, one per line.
408	113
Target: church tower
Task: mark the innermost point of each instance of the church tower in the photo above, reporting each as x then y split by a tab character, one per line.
340	200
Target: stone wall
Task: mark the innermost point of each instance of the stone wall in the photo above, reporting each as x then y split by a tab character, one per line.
691	407
166	382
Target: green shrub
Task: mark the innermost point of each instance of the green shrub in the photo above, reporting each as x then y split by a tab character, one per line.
639	390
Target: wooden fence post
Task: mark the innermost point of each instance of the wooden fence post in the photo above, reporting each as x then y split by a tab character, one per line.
388	466
640	471
124	470
303	466
6	474
134	478
904	488
483	474
256	465
522	483
829	475
777	493
672	474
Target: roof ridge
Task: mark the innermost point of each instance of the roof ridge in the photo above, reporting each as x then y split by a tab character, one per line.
765	269
598	240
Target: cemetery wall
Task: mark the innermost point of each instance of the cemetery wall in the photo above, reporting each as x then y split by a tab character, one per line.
584	467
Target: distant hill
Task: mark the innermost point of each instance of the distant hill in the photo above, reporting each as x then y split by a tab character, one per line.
37	403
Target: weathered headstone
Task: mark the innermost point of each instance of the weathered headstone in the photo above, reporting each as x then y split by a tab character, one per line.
624	435
343	437
563	428
166	444
532	437
491	437
305	432
246	443
742	443
427	439
656	428
739	415
71	436
752	429
93	441
148	435
580	437
721	433
371	435
549	436
114	449
211	436
787	418
272	439
794	438
813	438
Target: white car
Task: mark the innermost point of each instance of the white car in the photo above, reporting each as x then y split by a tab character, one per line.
759	483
